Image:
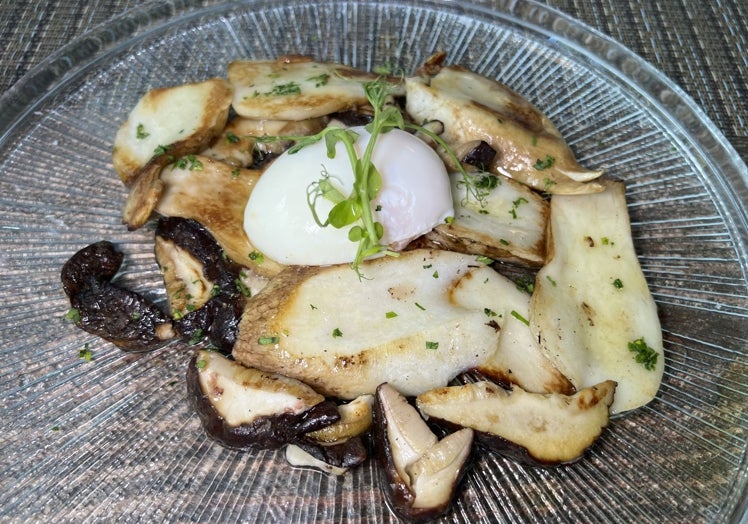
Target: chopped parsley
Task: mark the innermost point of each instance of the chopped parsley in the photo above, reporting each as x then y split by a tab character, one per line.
390	314
189	162
553	282
336	333
644	355
264	341
161	150
489	312
432	345
73	314
516	204
525	283
484	260
86	353
319	80
419	306
617	283
243	288
291	88
196	337
257	257
141	133
547	163
200	364
231	138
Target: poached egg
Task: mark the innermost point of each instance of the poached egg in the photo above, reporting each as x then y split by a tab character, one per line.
414	198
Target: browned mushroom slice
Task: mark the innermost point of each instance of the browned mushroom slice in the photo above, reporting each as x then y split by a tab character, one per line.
344	335
422	471
507	222
170	122
298	88
238	147
474	108
532	428
246	408
214	194
592	311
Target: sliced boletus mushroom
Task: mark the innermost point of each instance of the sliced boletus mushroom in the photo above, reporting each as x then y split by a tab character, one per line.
475	108
102	308
532	428
592	311
422	471
242	407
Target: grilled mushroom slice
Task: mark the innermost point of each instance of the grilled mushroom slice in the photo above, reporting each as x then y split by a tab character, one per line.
505	221
592	310
123	317
532	428
159	130
242	407
298	88
475	108
344	335
422	472
214	194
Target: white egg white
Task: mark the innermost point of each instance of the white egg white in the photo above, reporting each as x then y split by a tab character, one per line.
415	197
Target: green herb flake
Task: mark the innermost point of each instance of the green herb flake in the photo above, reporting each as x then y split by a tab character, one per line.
435	274
161	150
520	318
86	354
200	364
432	345
644	354
503	242
189	162
140	132
196	337
617	283
257	257
312	306
516	204
553	282
419	306
55	428
73	315
489	312
390	314
264	341
336	333
243	288
484	260
231	138
525	283
542	164
291	88
319	80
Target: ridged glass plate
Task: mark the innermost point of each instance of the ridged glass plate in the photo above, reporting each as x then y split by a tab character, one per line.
115	439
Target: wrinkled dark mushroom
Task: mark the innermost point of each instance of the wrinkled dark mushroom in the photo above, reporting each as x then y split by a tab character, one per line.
422	472
205	296
123	317
243	407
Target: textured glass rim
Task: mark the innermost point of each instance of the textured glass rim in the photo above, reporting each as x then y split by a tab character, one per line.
699	135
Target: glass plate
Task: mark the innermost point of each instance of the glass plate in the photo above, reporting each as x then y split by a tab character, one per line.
115	438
